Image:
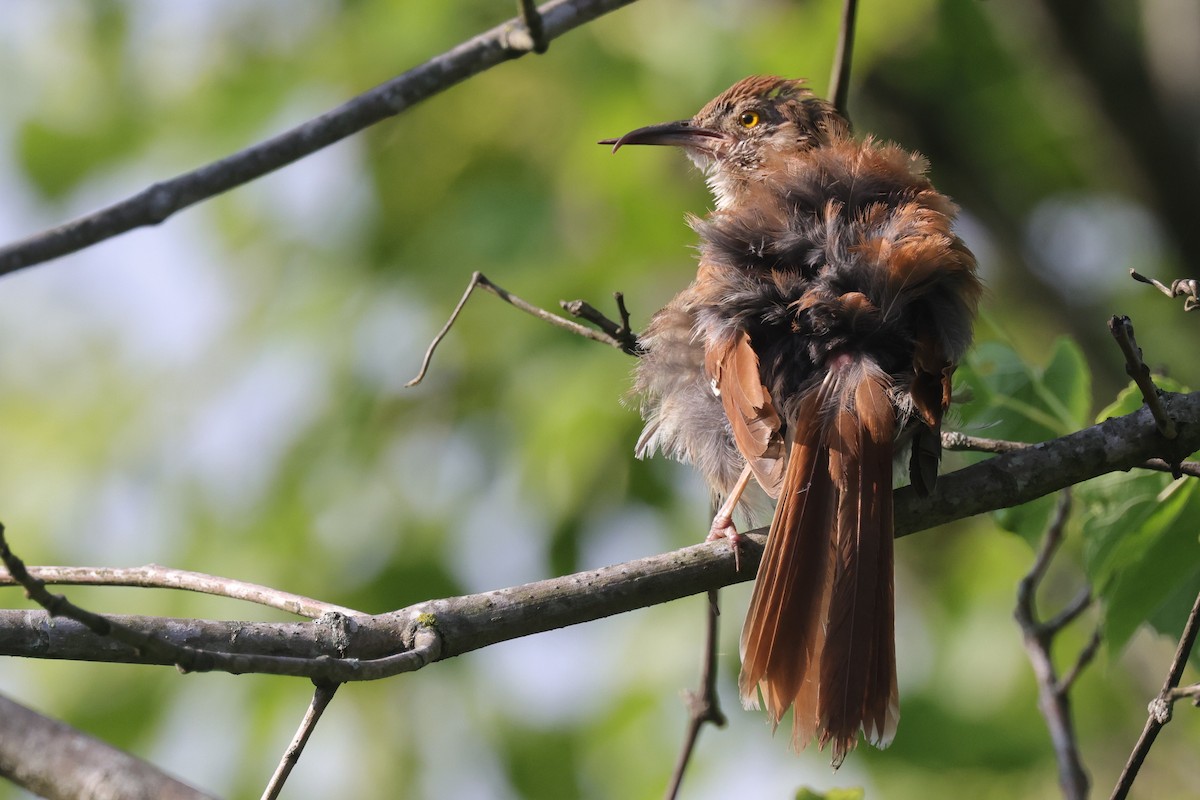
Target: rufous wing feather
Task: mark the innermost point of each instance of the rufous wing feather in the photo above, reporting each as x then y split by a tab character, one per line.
733	367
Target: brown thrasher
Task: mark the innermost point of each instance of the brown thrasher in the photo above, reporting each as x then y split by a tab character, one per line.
818	340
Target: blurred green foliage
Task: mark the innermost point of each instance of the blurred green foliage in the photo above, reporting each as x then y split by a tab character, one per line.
224	393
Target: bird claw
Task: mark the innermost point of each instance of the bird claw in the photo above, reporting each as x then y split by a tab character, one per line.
723	528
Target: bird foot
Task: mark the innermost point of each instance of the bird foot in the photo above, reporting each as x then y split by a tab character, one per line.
723	528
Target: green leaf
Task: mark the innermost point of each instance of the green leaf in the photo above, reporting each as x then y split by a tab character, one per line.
1012	399
1016	400
1141	549
833	794
1129	399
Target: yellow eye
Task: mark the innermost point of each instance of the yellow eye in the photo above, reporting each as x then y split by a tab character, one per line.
748	119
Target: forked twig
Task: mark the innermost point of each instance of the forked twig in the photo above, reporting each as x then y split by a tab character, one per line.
1053	698
1160	706
479	280
702	705
321	696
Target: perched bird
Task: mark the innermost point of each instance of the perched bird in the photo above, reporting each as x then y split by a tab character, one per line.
816	343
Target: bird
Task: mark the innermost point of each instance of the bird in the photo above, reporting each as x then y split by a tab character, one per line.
812	356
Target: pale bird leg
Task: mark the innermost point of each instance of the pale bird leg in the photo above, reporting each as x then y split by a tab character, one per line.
722	524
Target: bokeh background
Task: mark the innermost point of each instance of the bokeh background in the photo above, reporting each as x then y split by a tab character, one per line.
223	393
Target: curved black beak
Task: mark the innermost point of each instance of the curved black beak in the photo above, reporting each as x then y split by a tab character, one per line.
682	133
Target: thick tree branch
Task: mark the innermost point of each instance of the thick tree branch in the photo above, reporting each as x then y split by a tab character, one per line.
53	760
156	203
370	647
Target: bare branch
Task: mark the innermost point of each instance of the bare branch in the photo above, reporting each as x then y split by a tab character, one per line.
953	440
1135	367
370	647
702	705
621	332
54	760
961	442
422	646
153	576
479	280
321	697
1160	707
156	203
1189	468
1187	288
1053	699
1030	472
1085	657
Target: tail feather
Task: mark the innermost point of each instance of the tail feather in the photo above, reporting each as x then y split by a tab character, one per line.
819	633
861	467
783	627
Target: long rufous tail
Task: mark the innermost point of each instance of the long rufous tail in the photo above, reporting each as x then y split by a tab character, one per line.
819	635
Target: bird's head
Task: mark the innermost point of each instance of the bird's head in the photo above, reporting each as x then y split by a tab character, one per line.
740	136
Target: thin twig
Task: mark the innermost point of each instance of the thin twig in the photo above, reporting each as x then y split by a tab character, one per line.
1187	288
534	26
839	82
478	280
953	440
1192	691
1135	367
1070	613
1053	699
153	576
1160	707
703	705
1085	657
159	201
619	331
1189	468
321	696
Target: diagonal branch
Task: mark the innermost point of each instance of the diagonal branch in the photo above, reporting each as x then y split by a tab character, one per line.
322	695
372	647
1160	707
156	203
1135	367
54	760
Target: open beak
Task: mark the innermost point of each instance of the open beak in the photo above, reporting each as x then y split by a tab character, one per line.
678	134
